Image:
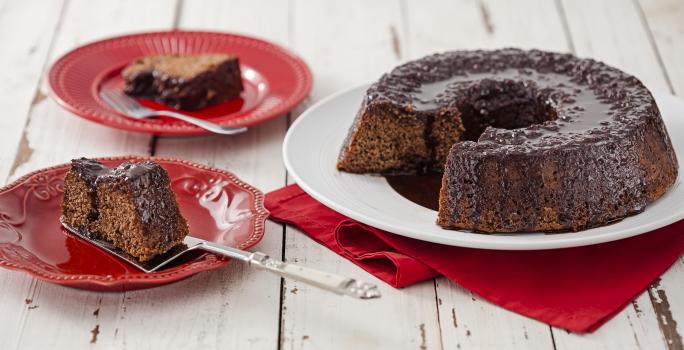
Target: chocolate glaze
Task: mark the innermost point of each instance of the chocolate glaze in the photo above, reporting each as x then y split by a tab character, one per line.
90	170
583	100
145	181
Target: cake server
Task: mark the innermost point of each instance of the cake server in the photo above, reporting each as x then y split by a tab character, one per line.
131	108
328	281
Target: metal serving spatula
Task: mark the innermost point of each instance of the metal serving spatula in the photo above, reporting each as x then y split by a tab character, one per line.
328	281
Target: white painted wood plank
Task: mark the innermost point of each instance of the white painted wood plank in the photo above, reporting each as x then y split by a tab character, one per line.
25	46
612	31
665	19
466	320
314	319
236	307
668	303
439	25
635	327
55	135
348	43
64	318
267	19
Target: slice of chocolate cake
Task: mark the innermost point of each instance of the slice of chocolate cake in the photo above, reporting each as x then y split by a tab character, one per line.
185	82
131	206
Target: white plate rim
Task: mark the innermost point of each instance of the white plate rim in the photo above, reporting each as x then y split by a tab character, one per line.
466	238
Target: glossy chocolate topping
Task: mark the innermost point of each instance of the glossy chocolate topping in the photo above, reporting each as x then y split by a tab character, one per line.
553	99
89	170
143	179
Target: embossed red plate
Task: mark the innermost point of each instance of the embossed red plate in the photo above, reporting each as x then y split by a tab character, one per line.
275	79
217	205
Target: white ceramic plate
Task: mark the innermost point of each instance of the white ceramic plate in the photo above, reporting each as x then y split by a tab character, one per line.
313	142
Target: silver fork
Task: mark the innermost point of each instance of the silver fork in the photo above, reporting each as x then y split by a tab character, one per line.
130	107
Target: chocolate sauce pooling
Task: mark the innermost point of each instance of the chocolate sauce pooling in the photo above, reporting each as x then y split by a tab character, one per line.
422	189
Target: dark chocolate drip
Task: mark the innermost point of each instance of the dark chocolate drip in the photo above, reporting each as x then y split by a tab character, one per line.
133	171
144	180
90	170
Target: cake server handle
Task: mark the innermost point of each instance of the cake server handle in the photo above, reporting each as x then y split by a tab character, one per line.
329	281
213	127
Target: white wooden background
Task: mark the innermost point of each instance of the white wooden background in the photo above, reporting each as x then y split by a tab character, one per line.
346	43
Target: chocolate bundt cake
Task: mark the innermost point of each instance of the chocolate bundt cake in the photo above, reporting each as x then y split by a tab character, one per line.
184	82
132	206
527	140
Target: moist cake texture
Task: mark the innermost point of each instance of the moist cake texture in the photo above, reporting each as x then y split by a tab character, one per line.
132	206
185	82
527	140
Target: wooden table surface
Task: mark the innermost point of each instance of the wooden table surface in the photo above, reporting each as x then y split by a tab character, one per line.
345	43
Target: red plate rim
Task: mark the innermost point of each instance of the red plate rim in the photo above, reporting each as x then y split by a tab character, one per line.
120	121
207	262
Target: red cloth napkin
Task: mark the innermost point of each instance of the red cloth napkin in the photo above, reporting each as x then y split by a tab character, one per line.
578	289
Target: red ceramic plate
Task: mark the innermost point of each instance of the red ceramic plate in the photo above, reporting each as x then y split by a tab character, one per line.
218	206
275	79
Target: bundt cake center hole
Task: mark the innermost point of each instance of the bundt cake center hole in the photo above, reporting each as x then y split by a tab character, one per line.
504	105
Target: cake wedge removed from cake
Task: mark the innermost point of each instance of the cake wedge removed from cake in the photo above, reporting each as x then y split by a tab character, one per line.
185	82
132	206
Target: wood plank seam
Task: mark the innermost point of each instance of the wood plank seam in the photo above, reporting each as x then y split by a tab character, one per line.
486	17
646	29
405	46
666	321
29	299
23	156
24	150
654	47
438	302
177	13
657	295
663	18
152	149
283	255
566	26
122	308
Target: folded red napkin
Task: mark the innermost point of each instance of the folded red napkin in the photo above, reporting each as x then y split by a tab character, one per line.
578	289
